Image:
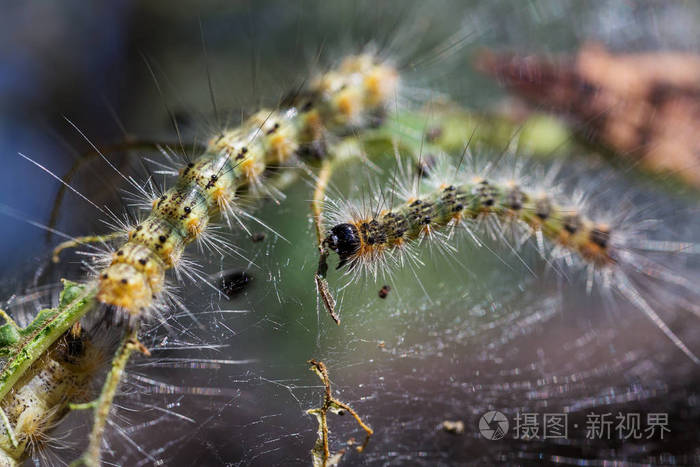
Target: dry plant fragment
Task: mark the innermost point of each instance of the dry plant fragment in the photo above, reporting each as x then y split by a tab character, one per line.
317	210
643	106
321	454
453	427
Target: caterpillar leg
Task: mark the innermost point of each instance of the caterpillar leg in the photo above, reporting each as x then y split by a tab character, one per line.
103	404
321	452
82	241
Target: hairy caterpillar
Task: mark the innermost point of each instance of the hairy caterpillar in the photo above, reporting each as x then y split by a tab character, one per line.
63	374
66	375
512	207
350	97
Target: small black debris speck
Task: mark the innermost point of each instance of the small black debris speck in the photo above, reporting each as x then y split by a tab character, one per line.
234	283
384	291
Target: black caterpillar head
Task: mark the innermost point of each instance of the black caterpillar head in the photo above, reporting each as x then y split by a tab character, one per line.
344	239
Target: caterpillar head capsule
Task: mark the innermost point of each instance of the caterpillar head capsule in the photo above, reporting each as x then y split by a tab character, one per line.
123	286
344	239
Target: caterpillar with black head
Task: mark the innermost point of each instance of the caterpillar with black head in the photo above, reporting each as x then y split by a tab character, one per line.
510	206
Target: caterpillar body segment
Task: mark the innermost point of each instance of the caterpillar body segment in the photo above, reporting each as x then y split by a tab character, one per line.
352	96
